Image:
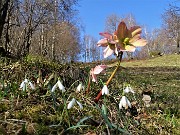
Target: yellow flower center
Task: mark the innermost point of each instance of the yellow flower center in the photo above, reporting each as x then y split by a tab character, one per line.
126	41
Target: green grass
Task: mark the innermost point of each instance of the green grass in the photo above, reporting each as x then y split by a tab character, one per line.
163	61
35	111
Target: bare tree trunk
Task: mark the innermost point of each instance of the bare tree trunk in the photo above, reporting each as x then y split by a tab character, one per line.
178	47
3	14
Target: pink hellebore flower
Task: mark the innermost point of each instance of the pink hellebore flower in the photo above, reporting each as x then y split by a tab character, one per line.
129	39
97	70
109	42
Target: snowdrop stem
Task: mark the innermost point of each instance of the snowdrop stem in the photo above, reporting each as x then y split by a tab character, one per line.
89	84
102	82
54	100
123	93
72	84
111	77
65	108
65	111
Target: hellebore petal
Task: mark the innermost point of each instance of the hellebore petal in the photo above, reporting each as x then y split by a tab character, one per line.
105	90
130	48
124	102
103	42
139	42
107	52
122	31
71	103
98	69
106	35
94	78
135	30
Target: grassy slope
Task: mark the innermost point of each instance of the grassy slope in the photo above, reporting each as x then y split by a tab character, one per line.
160	76
163	61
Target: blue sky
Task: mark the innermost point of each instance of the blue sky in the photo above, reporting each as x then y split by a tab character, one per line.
93	13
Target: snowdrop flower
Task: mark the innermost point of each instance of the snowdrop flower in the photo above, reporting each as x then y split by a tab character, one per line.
58	84
124	102
72	103
25	83
80	87
128	89
105	90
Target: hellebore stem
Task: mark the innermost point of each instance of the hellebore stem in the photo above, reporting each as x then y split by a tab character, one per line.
111	77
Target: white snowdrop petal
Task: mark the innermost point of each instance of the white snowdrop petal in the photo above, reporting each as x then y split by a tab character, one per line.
80	105
120	105
26	80
71	103
105	90
54	87
126	90
32	86
22	84
24	87
128	103
79	87
123	100
131	90
61	87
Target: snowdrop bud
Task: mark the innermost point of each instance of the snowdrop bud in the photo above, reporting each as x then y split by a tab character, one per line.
105	90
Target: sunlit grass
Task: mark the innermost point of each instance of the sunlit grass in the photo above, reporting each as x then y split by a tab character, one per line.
162	61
